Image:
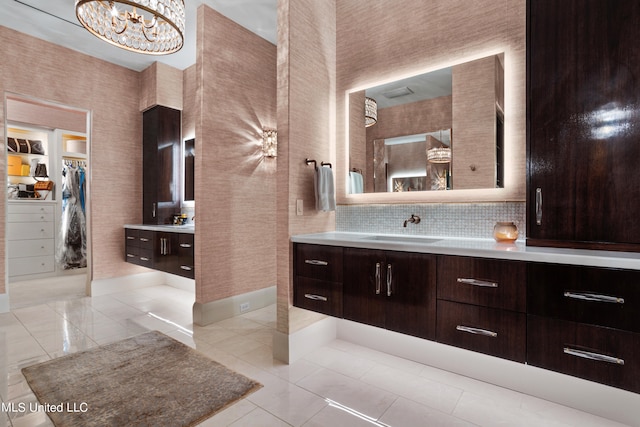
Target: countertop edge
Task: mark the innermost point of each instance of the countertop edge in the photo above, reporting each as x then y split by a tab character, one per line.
481	248
168	228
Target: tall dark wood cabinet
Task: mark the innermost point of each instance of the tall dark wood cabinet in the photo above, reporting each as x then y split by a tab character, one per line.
391	290
583	99
161	164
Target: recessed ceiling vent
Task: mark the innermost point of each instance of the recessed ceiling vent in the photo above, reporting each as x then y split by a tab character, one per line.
396	93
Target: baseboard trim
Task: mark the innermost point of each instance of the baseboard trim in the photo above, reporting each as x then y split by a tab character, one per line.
604	401
215	311
289	348
4	303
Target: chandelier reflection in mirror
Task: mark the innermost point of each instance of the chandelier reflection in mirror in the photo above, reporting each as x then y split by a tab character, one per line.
370	112
152	27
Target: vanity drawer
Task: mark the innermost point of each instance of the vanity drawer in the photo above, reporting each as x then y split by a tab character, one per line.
490	331
597	296
480	281
140	256
318	262
605	355
139	238
318	295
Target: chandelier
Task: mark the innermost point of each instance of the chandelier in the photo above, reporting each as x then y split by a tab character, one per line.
439	155
370	112
152	27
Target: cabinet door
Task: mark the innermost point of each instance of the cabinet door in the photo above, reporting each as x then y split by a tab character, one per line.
363	288
161	165
583	92
410	293
166	253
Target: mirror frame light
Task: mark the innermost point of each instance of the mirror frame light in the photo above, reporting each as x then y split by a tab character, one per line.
514	185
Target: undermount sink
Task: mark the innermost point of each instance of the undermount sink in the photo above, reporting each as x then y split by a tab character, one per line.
403	239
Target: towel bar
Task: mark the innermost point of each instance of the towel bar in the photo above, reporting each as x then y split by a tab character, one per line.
315	164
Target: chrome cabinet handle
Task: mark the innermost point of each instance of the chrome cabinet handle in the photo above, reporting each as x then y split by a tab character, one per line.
130	256
389	279
477	331
315	262
476	282
153	211
377	278
589	296
130	238
593	356
538	206
162	246
316	297
185	245
186	267
142	258
143	239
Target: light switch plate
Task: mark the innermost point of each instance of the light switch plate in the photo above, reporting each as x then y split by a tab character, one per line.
299	207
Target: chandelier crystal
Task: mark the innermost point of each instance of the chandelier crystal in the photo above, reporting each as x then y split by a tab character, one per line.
152	27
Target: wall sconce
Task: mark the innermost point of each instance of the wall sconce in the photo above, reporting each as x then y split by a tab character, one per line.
370	112
269	142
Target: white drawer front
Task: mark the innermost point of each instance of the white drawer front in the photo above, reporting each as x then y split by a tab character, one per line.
29	217
31	265
30	248
30	230
30	208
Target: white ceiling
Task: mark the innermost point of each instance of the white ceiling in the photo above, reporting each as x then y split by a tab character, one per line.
55	21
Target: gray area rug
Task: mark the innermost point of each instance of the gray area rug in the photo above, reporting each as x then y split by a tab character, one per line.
147	380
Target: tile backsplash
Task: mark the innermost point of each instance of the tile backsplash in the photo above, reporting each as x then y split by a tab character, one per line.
475	220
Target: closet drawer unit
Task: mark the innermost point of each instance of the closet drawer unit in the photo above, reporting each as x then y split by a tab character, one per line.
31	265
30	248
318	295
485	282
30	230
318	262
490	331
30	208
605	355
597	296
29	217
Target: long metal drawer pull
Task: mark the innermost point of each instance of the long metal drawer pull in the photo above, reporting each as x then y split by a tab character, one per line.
143	258
316	297
130	256
142	239
185	245
377	278
186	267
477	331
538	206
315	262
593	356
130	238
589	296
389	279
476	282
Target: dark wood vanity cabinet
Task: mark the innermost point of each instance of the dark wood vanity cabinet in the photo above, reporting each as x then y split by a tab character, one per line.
585	322
391	290
583	120
161	164
318	278
164	251
481	305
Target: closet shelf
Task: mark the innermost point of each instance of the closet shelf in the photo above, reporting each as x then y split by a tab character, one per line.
74	155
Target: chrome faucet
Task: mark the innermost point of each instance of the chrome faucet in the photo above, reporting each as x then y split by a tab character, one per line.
415	219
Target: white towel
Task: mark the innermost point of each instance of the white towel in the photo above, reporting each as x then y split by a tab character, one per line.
356	183
325	193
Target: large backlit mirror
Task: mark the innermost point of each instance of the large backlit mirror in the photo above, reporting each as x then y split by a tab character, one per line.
437	131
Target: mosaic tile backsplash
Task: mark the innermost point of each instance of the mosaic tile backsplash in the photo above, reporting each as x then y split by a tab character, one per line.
474	220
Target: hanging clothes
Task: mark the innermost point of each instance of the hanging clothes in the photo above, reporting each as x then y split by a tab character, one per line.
72	243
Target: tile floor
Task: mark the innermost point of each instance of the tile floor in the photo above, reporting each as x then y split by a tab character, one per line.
340	384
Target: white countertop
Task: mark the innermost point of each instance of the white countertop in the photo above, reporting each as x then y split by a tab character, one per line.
482	248
188	228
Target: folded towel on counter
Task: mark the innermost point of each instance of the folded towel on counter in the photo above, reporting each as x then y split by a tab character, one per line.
325	193
356	183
